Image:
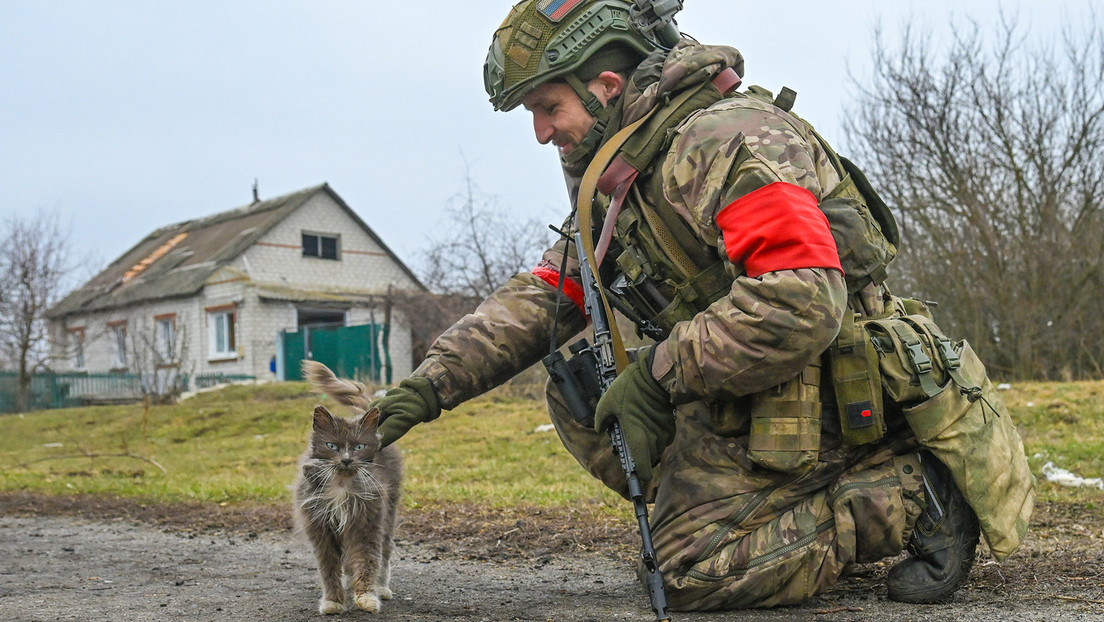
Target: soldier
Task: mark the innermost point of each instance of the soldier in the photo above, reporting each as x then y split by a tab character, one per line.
712	236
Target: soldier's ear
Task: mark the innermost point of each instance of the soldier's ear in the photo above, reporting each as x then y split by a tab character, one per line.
606	86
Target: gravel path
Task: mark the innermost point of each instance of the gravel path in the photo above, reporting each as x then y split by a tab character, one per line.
91	570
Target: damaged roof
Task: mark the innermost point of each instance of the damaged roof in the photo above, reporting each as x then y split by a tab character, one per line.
176	261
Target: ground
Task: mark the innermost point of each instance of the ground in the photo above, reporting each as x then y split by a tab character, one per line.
102	559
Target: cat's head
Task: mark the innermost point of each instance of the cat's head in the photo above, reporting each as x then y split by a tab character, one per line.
347	443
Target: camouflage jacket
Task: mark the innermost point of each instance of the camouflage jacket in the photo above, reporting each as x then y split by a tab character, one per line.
763	332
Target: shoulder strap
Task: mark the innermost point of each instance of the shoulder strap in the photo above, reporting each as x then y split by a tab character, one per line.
584	221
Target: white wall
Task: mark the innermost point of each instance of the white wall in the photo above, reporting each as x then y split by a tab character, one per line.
364	266
277	260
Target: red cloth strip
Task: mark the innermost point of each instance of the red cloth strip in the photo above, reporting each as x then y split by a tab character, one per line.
571	288
777	227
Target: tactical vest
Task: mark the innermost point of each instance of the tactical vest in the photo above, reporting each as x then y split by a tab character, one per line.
665	274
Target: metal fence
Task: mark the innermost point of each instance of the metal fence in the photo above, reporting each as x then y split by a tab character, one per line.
78	389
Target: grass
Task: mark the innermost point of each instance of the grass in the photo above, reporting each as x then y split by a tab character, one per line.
1063	423
240	444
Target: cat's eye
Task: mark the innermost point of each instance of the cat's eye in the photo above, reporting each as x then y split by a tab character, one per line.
359	447
332	446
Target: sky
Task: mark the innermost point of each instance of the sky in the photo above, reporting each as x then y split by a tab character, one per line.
124	116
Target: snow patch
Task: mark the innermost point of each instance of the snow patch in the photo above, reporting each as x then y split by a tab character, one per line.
1063	477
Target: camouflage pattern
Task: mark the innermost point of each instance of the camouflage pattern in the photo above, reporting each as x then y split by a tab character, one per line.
505	335
542	41
767	329
997	482
728	533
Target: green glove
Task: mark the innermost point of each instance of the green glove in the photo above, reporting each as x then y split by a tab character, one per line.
412	402
644	410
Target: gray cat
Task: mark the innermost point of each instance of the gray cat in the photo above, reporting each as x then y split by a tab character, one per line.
346	497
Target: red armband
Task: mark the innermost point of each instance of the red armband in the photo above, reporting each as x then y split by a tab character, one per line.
777	227
572	289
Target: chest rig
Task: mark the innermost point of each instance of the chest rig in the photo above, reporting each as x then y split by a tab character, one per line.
663	273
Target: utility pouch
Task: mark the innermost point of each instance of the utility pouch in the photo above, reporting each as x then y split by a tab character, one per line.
857	381
785	423
912	363
951	405
969	430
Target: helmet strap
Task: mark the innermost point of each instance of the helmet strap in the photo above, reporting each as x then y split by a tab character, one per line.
581	155
591	102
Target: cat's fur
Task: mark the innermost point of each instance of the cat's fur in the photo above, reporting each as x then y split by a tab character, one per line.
346	497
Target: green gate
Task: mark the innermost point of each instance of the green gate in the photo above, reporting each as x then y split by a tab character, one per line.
358	352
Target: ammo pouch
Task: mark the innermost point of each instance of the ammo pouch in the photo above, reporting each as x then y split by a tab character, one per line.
942	390
785	423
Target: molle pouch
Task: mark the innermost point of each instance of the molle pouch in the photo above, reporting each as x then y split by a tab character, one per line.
911	362
857	381
969	430
785	423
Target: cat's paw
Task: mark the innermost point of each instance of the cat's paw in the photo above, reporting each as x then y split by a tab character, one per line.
384	592
368	602
330	607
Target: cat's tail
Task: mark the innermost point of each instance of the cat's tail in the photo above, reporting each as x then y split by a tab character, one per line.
348	392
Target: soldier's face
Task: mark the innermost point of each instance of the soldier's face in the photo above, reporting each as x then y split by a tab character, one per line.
558	115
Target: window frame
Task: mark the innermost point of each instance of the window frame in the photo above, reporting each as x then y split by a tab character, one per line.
76	348
214	351
314	245
118	334
165	342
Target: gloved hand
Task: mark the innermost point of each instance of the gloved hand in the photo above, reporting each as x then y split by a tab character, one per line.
412	402
644	410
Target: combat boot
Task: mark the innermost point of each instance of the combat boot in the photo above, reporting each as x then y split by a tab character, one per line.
943	542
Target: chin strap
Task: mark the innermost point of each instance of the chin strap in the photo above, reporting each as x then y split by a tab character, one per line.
580	156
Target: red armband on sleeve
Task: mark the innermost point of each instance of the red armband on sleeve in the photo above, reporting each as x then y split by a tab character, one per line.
571	288
777	227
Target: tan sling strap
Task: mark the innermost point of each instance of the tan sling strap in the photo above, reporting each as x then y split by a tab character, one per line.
584	220
618	180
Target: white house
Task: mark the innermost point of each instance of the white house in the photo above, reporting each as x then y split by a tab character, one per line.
215	295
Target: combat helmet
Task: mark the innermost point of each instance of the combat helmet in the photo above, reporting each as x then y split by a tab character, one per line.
569	40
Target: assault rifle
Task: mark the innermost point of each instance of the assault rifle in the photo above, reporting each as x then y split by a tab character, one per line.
582	380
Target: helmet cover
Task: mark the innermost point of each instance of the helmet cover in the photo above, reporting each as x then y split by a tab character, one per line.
543	40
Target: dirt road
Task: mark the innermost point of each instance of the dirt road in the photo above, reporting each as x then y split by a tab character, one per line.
92	569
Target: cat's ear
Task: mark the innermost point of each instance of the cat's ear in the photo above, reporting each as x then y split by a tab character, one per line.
323	420
371	418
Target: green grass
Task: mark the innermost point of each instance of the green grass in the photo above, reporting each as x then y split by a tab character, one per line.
1063	423
241	444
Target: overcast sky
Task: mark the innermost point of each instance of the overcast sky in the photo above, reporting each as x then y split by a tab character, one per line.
125	116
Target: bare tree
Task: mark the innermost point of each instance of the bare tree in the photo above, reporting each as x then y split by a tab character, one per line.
429	314
993	157
34	262
484	245
159	354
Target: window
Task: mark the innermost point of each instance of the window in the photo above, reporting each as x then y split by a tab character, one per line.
165	338
76	347
117	332
318	245
220	325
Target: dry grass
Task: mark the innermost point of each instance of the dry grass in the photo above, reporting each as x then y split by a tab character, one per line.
240	444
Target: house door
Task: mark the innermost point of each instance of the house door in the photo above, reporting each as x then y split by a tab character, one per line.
350	351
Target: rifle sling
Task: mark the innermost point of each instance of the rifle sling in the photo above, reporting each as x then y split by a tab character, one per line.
584	220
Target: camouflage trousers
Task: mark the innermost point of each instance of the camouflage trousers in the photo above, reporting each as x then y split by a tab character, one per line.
731	535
